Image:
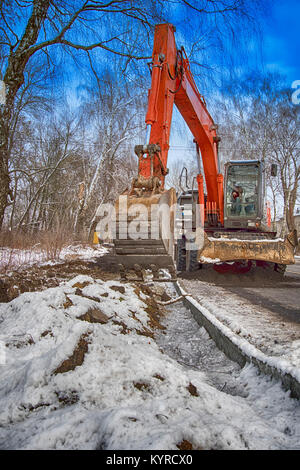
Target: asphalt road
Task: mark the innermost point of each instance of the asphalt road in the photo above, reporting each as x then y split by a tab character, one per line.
294	269
280	297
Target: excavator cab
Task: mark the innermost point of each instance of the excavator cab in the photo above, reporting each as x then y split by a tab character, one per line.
244	195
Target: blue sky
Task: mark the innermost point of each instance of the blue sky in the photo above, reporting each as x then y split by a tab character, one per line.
281	39
280	50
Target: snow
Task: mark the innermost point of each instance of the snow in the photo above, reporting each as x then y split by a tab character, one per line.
204	259
253	240
191	345
83	252
130	392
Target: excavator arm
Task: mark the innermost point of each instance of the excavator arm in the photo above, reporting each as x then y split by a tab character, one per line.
172	82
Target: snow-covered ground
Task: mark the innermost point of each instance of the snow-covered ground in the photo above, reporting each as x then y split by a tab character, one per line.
82	370
13	258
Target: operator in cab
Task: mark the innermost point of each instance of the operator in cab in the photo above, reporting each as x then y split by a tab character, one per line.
236	201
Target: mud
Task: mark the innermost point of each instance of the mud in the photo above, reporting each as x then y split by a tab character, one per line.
37	278
76	359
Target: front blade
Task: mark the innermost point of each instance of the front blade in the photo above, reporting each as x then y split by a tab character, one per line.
274	251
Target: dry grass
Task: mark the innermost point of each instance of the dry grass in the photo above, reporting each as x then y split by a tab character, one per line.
19	249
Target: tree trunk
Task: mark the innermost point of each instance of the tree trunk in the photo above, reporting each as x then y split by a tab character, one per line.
13	80
5	192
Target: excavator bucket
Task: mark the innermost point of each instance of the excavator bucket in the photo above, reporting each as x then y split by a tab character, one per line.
144	229
225	249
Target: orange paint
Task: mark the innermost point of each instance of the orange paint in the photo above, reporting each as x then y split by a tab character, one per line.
172	82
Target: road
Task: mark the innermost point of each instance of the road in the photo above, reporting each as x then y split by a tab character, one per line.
294	269
281	297
261	306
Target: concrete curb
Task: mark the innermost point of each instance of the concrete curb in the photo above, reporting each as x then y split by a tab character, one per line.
239	350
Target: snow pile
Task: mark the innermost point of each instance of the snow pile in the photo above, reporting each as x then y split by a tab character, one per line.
84	372
253	240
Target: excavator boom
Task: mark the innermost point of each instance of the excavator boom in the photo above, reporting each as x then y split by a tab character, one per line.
172	82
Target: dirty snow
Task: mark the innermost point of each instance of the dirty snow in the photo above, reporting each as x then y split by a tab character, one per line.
129	392
204	259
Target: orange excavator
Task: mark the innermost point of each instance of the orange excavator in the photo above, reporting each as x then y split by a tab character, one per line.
224	223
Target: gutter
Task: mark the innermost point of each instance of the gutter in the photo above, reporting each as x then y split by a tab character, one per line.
239	350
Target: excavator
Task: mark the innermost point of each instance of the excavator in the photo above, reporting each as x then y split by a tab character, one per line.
221	218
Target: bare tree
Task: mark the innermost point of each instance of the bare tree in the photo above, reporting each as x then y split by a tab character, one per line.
111	115
47	25
260	122
284	124
52	29
41	191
